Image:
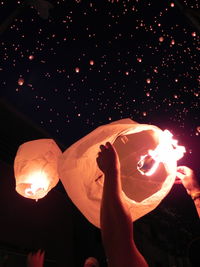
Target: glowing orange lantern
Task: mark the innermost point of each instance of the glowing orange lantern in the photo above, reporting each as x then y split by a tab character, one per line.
35	168
148	158
20	81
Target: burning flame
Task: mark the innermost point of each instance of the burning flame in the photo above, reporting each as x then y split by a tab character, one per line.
166	151
38	181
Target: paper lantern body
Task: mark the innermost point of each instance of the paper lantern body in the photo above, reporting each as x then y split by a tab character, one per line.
35	168
83	180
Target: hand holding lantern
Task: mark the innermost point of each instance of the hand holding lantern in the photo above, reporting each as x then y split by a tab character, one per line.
191	184
109	161
189	180
36	259
148	161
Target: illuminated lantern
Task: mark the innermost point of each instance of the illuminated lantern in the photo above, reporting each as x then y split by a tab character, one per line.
31	57
91	62
148	158
20	81
161	39
35	168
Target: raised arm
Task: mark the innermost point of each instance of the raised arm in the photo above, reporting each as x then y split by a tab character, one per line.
191	184
116	222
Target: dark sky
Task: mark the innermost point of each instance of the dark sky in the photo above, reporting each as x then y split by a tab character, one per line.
93	62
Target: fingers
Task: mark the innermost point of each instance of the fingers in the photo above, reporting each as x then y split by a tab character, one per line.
183	171
102	147
180	176
105	147
108	144
178	181
42	254
38	254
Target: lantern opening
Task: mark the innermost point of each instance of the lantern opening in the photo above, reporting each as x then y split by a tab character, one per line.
37	187
31	191
166	151
147	165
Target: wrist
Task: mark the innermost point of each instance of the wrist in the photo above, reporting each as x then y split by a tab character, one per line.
113	171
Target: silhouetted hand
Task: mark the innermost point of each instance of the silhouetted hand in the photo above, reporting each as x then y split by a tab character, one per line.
35	259
188	179
107	159
91	262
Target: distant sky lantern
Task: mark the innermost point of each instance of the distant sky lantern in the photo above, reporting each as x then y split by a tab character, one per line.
161	39
172	42
148	158
77	70
31	57
139	59
35	168
20	81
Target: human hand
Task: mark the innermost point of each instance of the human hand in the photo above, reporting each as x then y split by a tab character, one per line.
188	179
36	259
91	262
108	159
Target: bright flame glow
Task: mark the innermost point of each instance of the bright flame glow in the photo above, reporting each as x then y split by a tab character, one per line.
38	181
166	151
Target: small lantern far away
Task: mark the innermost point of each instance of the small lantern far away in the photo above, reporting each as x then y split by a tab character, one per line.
35	168
148	158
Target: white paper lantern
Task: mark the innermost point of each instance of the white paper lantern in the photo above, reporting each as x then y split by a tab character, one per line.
35	168
83	180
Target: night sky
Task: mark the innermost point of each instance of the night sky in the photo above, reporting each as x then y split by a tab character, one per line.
88	63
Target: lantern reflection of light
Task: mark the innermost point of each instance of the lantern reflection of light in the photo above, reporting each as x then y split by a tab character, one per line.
35	168
38	181
166	151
